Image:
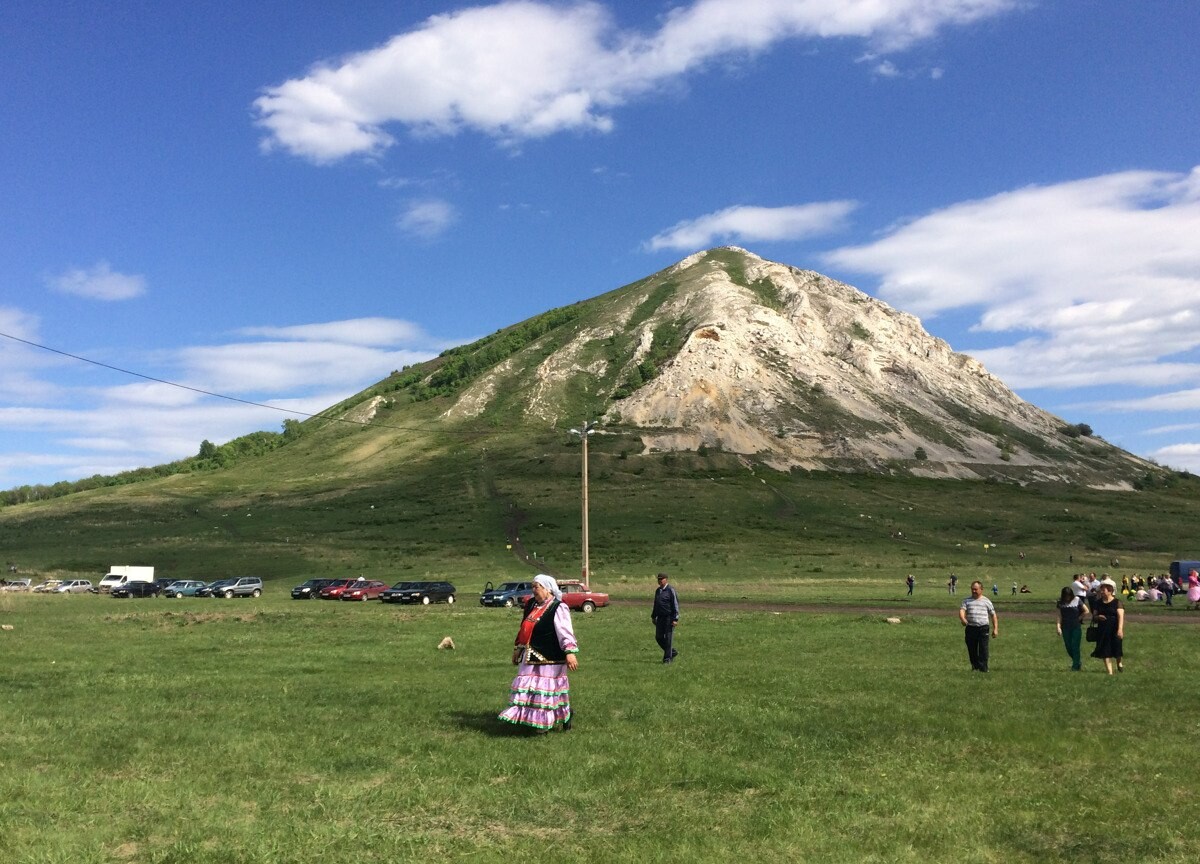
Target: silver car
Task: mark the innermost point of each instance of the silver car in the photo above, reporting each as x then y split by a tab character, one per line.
74	586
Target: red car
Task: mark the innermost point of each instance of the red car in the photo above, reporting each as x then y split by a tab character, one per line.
334	590
578	597
364	590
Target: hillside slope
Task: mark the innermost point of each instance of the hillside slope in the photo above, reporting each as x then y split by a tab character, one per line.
725	350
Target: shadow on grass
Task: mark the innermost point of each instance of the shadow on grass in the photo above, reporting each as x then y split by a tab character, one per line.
487	723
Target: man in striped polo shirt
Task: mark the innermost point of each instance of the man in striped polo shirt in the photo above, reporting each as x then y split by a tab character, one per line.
976	613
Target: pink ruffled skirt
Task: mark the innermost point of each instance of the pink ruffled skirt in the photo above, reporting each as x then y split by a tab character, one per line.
540	697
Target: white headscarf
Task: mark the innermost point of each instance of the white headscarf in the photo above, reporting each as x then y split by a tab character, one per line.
549	584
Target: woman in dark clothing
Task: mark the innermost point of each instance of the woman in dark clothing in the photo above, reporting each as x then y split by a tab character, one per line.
1109	616
1071	610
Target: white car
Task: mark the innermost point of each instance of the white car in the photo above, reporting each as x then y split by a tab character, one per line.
74	586
47	586
18	584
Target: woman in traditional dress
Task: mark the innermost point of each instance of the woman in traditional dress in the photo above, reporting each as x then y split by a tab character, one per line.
1193	588
1109	616
545	649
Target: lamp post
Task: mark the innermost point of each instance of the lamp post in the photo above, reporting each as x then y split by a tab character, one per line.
588	427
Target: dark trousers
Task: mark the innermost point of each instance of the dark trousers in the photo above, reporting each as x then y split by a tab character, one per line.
977	646
663	634
1072	640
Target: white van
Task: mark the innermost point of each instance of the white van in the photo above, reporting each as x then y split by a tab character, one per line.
120	574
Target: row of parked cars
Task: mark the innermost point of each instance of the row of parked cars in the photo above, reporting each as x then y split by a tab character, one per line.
50	586
574	593
372	589
239	586
506	594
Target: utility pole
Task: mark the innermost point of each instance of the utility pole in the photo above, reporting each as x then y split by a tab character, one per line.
588	427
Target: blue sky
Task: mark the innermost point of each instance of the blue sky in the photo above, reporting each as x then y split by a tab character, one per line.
282	202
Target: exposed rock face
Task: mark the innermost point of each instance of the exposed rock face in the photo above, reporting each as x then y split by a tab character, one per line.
795	368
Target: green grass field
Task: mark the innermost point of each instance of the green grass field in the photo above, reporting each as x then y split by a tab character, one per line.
279	731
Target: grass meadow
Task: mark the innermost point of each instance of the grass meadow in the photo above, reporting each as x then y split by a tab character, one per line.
280	731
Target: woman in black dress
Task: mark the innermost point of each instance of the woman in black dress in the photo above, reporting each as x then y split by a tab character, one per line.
1109	616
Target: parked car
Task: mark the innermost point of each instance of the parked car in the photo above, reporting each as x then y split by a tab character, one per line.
576	596
419	592
207	590
183	588
506	594
242	586
368	590
137	589
393	594
75	586
310	589
18	585
47	586
334	589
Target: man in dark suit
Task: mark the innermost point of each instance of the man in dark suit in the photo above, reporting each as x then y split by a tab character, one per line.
665	616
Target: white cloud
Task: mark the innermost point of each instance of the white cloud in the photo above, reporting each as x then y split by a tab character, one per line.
99	282
427	218
754	224
282	367
525	69
355	331
1183	457
18	323
107	429
1099	277
1173	429
1175	400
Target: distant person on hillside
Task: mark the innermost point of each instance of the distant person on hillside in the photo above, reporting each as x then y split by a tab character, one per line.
953	583
1109	615
1014	590
995	590
544	650
910	582
1071	610
976	613
665	615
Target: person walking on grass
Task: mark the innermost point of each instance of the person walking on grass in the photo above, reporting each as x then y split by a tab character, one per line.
1109	615
910	582
976	614
665	616
1071	610
544	650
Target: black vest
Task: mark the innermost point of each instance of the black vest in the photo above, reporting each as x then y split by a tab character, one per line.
543	643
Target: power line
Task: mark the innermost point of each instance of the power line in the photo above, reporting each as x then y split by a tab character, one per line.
207	392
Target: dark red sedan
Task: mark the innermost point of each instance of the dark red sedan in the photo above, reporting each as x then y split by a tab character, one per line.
361	590
333	591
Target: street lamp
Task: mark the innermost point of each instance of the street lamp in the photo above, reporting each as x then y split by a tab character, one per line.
588	427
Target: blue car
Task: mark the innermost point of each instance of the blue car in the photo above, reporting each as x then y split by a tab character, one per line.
507	594
183	588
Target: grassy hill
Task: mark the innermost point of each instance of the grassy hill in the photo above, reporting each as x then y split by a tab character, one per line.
456	467
415	498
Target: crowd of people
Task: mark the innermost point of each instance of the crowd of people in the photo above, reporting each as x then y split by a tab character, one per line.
1141	589
546	648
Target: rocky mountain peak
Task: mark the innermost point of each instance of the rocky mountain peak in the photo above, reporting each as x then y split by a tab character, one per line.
726	350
